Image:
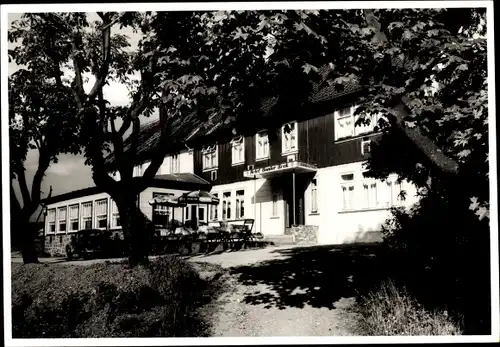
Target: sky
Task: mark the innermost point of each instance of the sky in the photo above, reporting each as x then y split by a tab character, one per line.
70	173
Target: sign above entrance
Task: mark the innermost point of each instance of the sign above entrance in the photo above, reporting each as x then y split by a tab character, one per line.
274	170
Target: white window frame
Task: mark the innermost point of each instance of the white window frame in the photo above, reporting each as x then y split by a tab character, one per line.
226	205
84	218
115	215
293	148
50	222
160	208
99	217
237	148
74	219
266	148
240	204
355	130
363	143
371	193
64	221
214	209
348	199
314	196
395	191
341	118
175	164
214	159
137	171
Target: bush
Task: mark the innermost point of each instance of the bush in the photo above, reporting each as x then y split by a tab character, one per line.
108	300
389	311
437	250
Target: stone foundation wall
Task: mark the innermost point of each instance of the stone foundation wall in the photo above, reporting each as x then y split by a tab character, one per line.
55	245
305	234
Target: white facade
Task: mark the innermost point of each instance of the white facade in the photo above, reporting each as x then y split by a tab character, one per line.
102	212
344	210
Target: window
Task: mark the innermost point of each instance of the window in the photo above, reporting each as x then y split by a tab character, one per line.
240	204
262	142
160	213
275	205
87	215
345	123
238	150
61	217
347	187
396	192
370	194
314	196
214	209
226	205
175	163
210	157
201	213
365	128
101	213
289	137
365	146
51	218
115	215
137	171
73	218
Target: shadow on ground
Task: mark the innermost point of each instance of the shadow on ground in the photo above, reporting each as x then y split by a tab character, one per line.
318	276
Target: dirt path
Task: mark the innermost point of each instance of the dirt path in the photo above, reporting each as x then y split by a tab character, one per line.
257	302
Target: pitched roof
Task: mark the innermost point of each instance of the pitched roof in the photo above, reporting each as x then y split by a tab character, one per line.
183	181
192	128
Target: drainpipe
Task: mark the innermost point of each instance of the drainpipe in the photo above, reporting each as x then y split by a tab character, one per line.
293	195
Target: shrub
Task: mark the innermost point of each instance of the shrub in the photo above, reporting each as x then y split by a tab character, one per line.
389	311
436	250
107	300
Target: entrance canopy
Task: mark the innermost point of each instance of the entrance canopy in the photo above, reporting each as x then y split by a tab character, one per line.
280	169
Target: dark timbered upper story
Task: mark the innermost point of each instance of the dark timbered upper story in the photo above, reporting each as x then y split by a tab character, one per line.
325	140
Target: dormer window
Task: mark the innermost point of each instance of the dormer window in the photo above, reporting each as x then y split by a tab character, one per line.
289	138
210	158
262	144
238	150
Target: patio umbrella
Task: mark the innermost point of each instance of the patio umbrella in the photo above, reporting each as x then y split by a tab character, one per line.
198	197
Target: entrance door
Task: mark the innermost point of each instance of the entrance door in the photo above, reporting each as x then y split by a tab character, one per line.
299	200
194	219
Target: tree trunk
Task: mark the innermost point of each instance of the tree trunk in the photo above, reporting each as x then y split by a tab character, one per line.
27	244
25	235
137	229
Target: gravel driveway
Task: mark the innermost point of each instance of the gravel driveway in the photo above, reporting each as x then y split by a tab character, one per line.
288	291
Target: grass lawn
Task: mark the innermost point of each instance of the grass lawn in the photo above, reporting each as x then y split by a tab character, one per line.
109	300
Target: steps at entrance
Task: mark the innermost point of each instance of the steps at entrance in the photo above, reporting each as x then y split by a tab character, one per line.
280	240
